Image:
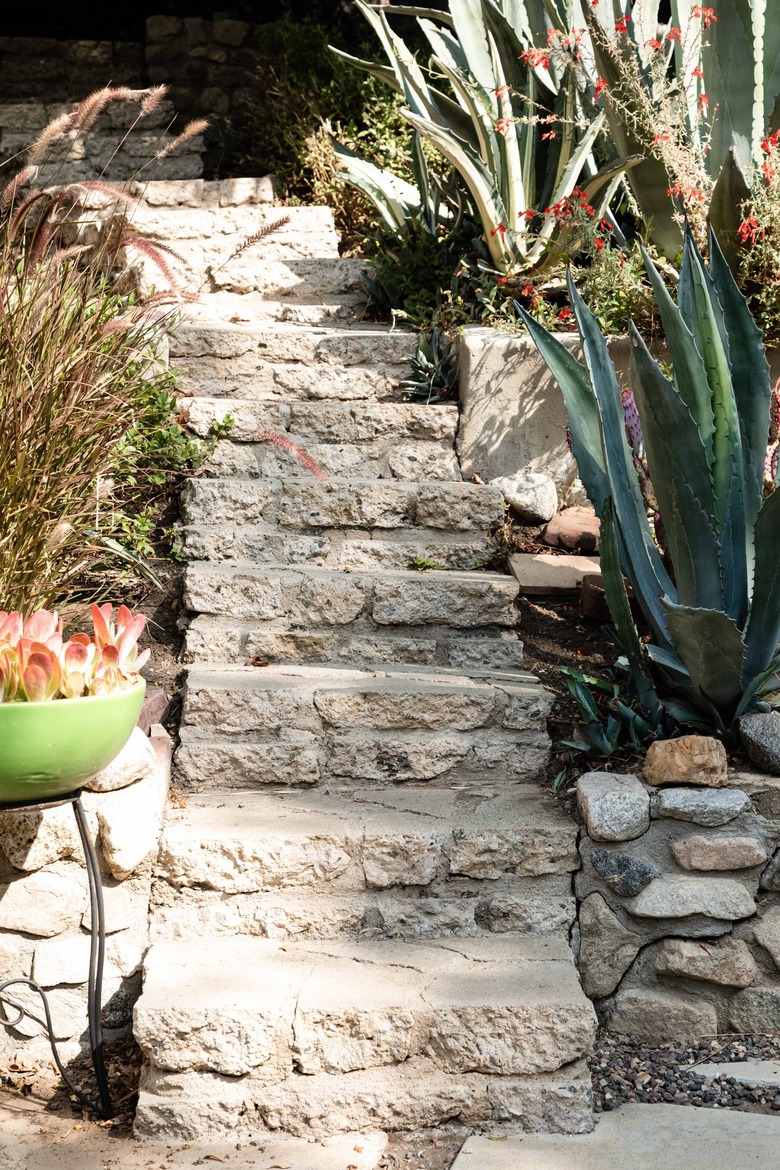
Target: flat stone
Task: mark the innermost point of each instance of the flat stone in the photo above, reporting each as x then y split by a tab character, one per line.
615	807
705	853
61	960
136	760
767	932
533	495
624	874
652	1137
751	1073
41	904
549	573
607	949
661	1016
728	962
701	806
130	820
756	1011
32	840
691	759
760	735
577	529
677	897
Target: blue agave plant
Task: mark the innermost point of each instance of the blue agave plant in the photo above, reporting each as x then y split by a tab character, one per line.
714	612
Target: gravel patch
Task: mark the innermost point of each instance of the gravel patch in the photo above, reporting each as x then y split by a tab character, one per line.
625	1068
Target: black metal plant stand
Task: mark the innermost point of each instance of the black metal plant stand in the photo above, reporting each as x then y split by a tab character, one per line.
96	958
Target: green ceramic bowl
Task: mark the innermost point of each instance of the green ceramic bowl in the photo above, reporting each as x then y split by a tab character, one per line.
50	749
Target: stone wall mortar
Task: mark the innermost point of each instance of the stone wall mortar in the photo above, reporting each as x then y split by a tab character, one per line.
679	921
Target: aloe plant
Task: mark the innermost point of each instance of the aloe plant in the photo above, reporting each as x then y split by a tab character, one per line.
511	119
712	602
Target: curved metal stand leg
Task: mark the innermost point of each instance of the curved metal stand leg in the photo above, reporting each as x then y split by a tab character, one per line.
97	950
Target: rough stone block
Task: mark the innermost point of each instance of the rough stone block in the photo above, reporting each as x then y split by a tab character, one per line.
677	897
701	806
728	962
42	904
550	573
607	949
659	1016
136	760
615	807
718	852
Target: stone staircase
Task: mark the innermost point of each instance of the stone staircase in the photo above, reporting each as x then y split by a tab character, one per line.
361	910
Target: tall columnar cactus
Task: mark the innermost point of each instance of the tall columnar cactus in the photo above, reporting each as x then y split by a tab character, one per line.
714	617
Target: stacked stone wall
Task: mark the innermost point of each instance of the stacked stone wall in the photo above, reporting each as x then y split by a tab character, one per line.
679	900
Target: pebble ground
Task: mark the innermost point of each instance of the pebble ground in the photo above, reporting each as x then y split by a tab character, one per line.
625	1068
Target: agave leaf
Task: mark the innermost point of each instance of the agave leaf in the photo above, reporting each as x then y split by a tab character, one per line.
762	633
479	182
482	115
421	13
750	380
712	649
643	563
382	72
690	376
681	480
620	612
572	377
734	63
470	30
758	686
394	198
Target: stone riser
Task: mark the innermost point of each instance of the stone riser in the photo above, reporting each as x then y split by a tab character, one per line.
341	423
217	231
331	550
456	908
347	843
262	382
408	460
211	639
470	759
292	505
193	1106
304	598
318	350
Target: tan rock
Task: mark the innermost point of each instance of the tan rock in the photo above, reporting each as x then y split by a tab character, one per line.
607	949
662	1016
135	761
704	853
32	840
130	821
42	904
727	962
691	759
677	897
61	960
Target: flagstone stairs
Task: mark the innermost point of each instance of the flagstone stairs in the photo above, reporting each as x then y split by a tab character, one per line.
362	904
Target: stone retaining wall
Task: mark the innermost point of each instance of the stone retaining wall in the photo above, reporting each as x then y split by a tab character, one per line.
679	923
44	902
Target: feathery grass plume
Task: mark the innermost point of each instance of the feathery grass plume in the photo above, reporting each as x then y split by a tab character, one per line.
86	113
298	452
264	231
191	130
17	183
51	133
154	97
153	250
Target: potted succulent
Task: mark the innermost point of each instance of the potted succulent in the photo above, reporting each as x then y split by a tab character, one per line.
67	707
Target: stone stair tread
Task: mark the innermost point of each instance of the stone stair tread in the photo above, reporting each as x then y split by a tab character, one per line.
323	422
229	676
212	637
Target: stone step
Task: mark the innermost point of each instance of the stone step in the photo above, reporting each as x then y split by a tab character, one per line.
339	423
303	598
297	504
334	549
413	459
320	1037
411	863
212	638
462	908
304	725
273	361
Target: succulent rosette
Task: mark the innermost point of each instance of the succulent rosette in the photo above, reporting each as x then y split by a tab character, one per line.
38	665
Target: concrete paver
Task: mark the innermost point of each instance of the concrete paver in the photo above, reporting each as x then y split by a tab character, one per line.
649	1137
